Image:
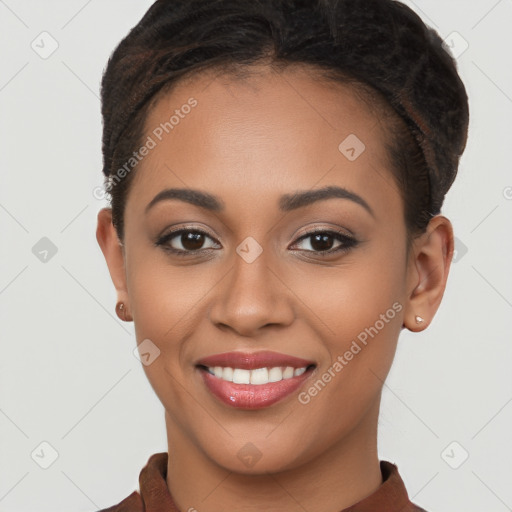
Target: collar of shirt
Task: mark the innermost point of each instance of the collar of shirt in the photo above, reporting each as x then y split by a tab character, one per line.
154	494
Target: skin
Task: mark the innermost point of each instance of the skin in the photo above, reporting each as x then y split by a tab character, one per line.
248	142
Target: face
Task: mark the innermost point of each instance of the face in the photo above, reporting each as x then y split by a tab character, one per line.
253	263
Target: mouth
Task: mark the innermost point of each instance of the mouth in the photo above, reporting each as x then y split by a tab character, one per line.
253	381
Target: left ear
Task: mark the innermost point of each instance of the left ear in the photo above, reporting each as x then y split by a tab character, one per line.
428	267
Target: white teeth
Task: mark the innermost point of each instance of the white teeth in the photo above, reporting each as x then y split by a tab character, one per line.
288	373
241	376
259	376
275	374
227	374
256	376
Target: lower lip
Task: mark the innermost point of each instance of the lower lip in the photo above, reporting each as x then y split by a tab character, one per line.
252	396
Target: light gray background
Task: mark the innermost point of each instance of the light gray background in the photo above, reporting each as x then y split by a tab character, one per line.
68	375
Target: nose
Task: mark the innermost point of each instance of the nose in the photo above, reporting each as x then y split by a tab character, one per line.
252	296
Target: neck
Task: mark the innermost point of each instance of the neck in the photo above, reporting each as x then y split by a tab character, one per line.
335	479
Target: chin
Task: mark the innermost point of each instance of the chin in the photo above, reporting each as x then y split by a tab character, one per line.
250	460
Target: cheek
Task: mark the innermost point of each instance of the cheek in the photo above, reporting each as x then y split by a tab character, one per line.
164	297
164	301
359	313
167	305
367	289
362	300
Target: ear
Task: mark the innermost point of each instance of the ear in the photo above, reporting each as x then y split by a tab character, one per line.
113	251
428	267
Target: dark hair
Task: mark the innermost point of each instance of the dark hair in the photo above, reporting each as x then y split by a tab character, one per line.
380	46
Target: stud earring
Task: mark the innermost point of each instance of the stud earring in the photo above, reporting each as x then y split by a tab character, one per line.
121	311
419	320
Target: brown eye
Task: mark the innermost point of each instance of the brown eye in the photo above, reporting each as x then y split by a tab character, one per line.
322	242
192	240
186	241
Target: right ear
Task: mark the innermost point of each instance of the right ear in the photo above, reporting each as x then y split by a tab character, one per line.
113	251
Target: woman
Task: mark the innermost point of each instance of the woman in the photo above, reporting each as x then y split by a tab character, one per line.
276	172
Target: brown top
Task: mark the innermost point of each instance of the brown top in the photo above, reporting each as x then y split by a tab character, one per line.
154	494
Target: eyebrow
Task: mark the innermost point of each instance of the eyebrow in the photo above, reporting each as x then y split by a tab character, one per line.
287	202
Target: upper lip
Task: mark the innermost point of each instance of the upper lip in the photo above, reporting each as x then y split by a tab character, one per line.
252	360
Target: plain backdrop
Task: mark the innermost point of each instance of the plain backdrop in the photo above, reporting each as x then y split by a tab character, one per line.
72	394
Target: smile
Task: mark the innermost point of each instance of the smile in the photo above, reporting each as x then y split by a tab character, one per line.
253	380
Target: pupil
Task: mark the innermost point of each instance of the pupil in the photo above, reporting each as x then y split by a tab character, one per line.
321	242
192	241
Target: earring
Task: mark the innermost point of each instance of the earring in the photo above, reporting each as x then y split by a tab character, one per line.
419	320
121	311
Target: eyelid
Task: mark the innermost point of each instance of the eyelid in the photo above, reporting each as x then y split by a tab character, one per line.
326	229
186	227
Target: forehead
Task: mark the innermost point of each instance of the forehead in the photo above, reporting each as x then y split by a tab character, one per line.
266	133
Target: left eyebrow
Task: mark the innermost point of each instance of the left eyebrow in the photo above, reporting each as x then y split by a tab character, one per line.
289	202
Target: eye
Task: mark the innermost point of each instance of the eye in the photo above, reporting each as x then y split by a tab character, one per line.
322	242
183	241
187	241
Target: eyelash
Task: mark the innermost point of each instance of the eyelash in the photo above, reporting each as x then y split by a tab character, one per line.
347	242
